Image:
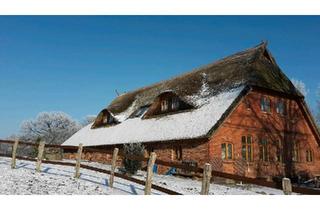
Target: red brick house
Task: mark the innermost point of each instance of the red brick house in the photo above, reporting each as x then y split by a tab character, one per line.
241	114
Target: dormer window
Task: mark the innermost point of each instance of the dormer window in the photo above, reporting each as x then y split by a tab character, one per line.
105	118
140	112
167	102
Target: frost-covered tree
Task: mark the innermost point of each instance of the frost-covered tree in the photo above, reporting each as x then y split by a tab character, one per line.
52	127
301	86
88	119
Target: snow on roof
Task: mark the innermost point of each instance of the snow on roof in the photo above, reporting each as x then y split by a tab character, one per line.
184	125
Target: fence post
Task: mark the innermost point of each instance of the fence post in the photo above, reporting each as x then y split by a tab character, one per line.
14	153
40	155
152	160
286	186
113	166
206	179
78	160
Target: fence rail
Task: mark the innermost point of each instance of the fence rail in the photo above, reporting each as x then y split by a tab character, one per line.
248	180
138	181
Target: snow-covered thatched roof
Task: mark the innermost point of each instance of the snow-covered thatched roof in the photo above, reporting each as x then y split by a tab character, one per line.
211	90
194	123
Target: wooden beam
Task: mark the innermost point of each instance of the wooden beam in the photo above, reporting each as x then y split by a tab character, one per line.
152	159
206	179
286	186
78	161
113	166
14	153
40	155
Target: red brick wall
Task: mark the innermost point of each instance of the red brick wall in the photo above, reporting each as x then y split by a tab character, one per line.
195	150
248	119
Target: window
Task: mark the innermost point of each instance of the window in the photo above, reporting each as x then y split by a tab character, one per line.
227	151
246	150
295	151
265	104
281	108
309	156
104	118
140	111
280	151
179	153
263	149
175	103
164	105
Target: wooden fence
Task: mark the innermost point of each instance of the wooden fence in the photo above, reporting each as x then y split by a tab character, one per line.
207	172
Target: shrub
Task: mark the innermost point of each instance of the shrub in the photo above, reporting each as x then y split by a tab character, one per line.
132	166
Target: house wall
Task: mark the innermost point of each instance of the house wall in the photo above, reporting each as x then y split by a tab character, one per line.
192	150
248	119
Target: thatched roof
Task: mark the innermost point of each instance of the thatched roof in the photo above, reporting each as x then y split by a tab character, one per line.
255	66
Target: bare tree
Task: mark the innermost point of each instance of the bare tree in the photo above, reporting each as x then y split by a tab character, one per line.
88	119
301	86
52	127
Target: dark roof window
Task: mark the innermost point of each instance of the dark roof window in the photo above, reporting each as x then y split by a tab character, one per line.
167	102
140	112
104	119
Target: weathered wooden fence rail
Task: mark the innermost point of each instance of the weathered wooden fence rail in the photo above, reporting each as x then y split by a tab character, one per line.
207	176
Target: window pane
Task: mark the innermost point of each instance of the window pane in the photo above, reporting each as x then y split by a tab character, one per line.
175	103
230	151
261	152
164	105
280	107
262	104
244	152
249	153
243	140
223	151
268	107
249	139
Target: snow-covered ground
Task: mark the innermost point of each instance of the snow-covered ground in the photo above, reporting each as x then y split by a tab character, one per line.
56	179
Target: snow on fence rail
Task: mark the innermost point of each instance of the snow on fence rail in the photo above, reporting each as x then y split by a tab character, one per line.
286	185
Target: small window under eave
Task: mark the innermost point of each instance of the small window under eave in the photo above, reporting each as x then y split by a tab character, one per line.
140	112
104	119
165	103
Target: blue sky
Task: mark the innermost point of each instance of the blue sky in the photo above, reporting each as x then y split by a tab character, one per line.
74	63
